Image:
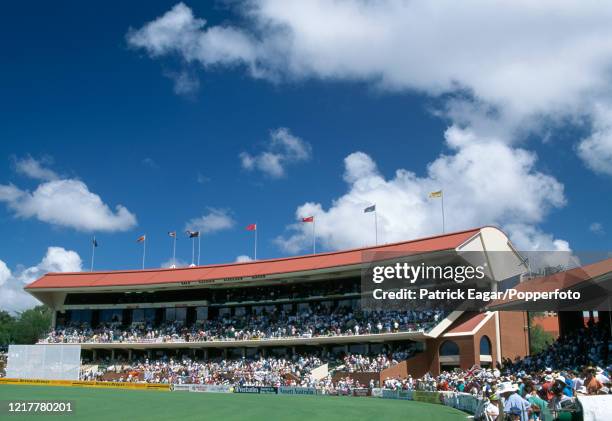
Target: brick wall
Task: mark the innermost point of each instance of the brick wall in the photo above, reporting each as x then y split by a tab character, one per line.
514	334
399	370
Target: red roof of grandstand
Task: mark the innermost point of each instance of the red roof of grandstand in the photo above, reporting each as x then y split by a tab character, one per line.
247	269
561	280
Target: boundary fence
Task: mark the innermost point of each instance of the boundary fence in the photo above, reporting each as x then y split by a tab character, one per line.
80	383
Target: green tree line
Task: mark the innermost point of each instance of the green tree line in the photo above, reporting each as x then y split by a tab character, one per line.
25	327
539	338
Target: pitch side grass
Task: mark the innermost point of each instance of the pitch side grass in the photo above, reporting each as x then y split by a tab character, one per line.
117	404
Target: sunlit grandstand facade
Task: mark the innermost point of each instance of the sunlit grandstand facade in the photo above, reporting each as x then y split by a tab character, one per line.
280	307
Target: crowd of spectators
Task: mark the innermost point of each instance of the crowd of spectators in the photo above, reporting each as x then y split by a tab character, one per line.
535	387
524	396
531	388
319	321
362	363
588	345
259	371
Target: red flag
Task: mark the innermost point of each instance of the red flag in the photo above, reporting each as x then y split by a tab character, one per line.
308	219
252	227
141	238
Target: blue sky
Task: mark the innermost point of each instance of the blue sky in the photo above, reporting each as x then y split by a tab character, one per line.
90	99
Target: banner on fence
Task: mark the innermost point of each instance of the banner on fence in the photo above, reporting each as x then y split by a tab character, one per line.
246	389
424	396
361	392
396	394
210	388
78	383
405	395
294	390
389	394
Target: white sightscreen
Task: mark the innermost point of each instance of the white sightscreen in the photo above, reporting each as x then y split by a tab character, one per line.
49	362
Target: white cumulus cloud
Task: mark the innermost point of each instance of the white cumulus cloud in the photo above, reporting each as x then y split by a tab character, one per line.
485	181
12	296
213	221
282	149
33	168
596	149
509	66
64	202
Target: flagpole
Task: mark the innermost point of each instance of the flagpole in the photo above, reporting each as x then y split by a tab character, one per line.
174	250
192	251
93	253
199	249
144	251
255	254
376	225
442	201
314	238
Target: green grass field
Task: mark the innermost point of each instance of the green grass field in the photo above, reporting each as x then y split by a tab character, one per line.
117	404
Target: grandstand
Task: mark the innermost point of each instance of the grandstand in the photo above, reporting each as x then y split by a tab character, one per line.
290	307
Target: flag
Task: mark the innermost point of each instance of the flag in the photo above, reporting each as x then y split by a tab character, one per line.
94	242
370	209
435	194
251	227
141	238
172	234
308	219
474	370
193	234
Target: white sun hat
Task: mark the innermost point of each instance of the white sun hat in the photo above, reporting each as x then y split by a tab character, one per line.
505	387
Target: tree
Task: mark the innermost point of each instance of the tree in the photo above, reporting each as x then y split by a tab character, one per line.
30	325
6	328
540	339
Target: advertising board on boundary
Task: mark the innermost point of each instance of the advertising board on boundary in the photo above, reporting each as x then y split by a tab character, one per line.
210	388
246	389
394	394
361	392
294	390
424	396
79	383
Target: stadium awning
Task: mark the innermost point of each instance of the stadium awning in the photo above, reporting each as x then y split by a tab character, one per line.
52	287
